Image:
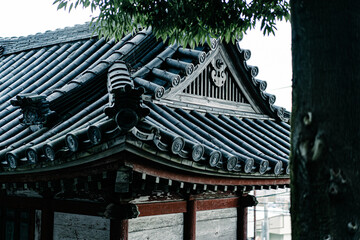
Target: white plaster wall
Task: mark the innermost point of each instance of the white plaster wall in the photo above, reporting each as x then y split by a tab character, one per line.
80	227
161	227
216	224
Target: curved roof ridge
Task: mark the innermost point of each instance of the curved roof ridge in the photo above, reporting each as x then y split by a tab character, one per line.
125	46
268	99
170	67
51	37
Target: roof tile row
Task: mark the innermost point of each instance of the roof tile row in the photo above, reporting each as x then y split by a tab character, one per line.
72	77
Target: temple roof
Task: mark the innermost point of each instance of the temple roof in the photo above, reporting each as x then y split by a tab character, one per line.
68	97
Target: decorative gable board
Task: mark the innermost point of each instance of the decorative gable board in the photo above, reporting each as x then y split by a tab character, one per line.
214	84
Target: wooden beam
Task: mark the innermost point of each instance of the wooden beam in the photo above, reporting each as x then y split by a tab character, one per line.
79	207
67	206
89	208
97	163
19	203
210	204
158	208
190	220
184	176
97	209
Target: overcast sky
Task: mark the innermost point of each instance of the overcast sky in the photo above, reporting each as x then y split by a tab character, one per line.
272	54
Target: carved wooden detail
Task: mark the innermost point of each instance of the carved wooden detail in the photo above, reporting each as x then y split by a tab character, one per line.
222	86
218	75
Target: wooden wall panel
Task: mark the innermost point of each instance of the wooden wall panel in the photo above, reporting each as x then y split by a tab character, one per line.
161	227
74	226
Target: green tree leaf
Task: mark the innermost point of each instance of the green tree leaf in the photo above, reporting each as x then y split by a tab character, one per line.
184	21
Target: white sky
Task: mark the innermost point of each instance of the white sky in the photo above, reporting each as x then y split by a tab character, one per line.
271	54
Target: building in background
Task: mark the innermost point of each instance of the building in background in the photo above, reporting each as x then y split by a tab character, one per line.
272	220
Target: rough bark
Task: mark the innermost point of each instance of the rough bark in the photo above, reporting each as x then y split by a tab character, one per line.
325	199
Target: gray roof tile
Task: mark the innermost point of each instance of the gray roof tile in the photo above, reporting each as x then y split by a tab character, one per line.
69	67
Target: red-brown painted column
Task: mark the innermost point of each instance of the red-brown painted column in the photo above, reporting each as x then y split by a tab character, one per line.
119	229
190	220
255	216
31	224
245	201
242	214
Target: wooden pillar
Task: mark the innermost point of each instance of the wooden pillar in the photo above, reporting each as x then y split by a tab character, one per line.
31	224
119	229
255	216
190	220
242	214
47	222
245	201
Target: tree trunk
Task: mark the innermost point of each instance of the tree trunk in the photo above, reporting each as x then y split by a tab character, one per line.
325	154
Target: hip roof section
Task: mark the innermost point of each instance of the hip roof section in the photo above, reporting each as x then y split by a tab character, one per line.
199	110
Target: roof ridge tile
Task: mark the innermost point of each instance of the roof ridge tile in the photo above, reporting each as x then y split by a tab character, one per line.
48	38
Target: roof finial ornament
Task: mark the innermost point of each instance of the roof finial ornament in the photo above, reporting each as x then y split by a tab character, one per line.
124	99
35	109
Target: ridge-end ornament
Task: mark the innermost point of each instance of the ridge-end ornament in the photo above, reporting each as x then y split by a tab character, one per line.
35	110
